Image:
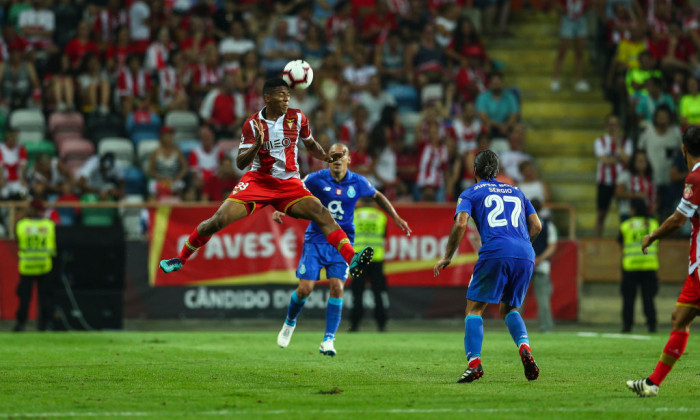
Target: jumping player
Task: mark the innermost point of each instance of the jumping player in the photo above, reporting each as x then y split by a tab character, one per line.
688	304
507	223
338	189
269	142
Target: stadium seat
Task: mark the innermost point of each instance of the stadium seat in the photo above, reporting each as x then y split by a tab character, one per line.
96	217
143	152
66	123
75	152
431	93
185	124
122	148
410	120
99	127
138	131
131	217
187	146
134	181
30	136
35	148
228	147
3	124
60	137
406	97
30	120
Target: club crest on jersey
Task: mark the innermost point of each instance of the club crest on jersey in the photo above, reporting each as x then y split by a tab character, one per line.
338	191
351	191
290	122
688	191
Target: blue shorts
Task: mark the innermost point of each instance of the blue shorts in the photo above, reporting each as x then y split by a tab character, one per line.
314	257
500	280
573	28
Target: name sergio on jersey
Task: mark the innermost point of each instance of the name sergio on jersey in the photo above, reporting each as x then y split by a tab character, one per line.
494	188
276	143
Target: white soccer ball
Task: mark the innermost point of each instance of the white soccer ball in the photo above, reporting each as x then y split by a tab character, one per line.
298	74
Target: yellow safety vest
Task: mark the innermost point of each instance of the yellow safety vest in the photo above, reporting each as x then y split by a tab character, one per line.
633	231
370	230
36	243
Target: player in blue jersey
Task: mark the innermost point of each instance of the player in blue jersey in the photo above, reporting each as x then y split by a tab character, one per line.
338	189
507	223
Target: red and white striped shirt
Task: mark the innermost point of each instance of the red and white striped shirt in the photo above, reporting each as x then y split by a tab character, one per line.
169	84
156	56
129	85
605	146
11	160
432	166
205	76
205	163
688	207
108	23
278	155
466	133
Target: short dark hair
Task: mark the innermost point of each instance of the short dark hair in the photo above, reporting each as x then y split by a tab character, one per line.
639	207
272	84
486	164
691	140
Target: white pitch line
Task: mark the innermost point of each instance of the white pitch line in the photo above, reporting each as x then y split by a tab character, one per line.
613	335
348	411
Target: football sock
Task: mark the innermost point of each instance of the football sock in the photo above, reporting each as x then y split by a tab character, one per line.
333	313
295	307
194	242
517	330
340	241
672	352
473	337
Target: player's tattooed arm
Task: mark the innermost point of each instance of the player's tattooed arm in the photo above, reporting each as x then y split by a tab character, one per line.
316	150
246	156
459	228
385	205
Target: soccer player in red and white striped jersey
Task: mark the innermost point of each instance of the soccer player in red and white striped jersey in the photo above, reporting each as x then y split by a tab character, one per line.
688	304
269	145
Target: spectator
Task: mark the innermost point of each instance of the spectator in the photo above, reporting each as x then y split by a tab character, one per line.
360	156
205	76
636	78
67	16
108	22
237	43
224	109
80	45
166	168
532	185
225	18
353	127
573	29
116	55
94	85
648	102
359	72
470	79
626	56
446	23
340	22
314	48
660	140
390	59
466	43
545	245
134	86
139	28
38	24
635	183
497	108
195	46
204	159
19	84
304	99
511	159
690	104
375	99
13	158
171	82
376	24
220	185
249	72
406	167
432	167
158	52
613	151
277	49
58	84
102	175
48	175
341	109
425	59
454	170
466	128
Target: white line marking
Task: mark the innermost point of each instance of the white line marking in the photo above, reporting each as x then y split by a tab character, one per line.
611	335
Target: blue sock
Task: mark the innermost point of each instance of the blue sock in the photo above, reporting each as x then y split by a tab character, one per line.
295	306
517	329
333	312
473	336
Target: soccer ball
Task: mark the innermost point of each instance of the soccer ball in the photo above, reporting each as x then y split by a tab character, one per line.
298	74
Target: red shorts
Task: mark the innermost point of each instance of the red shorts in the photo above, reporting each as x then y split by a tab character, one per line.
690	294
258	190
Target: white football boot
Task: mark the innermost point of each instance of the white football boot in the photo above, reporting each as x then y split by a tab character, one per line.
285	335
642	388
327	348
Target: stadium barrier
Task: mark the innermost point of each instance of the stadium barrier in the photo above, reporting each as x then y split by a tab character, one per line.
248	269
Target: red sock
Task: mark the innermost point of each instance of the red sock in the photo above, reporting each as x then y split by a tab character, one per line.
475	362
675	346
340	241
524	346
194	242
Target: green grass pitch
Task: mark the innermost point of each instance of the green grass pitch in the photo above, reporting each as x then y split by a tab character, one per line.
202	375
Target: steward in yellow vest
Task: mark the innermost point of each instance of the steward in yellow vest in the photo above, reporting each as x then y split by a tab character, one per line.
36	245
638	270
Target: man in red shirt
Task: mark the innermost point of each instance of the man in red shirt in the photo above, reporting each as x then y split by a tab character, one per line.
223	108
688	303
217	187
77	47
269	145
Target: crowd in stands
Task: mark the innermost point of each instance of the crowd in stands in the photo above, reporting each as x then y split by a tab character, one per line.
650	76
144	99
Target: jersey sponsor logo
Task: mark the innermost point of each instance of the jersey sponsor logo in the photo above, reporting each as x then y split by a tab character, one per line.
326	189
351	192
290	122
336	209
688	191
276	143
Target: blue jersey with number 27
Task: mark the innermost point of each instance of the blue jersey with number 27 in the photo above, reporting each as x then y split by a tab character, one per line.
500	213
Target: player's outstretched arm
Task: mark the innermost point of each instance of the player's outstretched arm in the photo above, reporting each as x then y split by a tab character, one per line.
669	227
534	226
246	156
316	150
459	228
385	205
